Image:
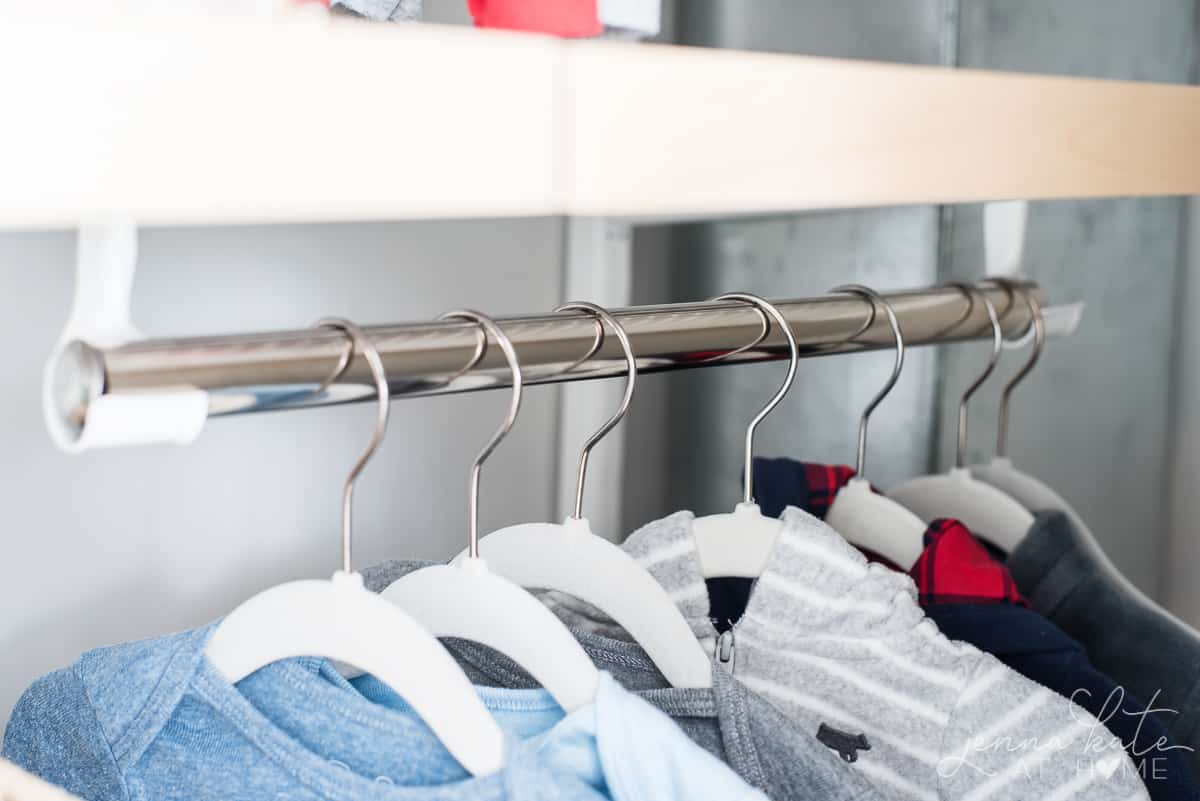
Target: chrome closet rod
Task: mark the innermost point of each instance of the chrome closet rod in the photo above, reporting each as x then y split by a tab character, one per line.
283	369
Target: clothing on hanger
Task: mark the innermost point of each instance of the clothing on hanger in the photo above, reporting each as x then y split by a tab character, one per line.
732	723
1036	648
955	567
17	785
843	648
974	598
153	719
1067	578
812	486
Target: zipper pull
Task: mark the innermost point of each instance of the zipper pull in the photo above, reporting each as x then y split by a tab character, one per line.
725	644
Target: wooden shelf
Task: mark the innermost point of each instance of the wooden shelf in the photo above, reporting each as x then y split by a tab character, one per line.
172	121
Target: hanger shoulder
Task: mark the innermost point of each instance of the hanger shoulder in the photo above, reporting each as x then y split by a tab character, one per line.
340	620
470	602
987	511
877	523
737	544
571	559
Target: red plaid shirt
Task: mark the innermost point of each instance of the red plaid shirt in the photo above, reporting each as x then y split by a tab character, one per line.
955	567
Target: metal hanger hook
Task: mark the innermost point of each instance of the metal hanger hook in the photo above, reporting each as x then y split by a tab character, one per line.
359	341
603	317
510	355
1038	322
972	293
874	298
765	308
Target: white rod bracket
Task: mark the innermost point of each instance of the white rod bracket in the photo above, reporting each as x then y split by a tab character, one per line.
106	258
1004	226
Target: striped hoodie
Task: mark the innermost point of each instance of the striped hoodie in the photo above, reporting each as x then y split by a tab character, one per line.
842	647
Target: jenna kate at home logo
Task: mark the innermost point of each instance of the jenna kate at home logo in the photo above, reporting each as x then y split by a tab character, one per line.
1089	746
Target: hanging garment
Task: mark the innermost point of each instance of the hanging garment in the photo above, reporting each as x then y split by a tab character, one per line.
381	10
735	725
781	482
17	785
153	719
843	648
1066	578
956	575
961	590
955	568
1036	648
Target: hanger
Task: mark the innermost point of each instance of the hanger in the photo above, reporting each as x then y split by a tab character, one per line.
1033	492
987	511
861	515
341	620
1039	343
739	544
1000	472
572	559
468	601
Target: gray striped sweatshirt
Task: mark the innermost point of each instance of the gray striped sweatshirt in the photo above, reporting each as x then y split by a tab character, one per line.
842	647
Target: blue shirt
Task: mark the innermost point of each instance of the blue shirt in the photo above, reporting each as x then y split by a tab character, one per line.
154	720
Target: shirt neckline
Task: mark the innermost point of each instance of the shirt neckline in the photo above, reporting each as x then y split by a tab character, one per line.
315	771
809	557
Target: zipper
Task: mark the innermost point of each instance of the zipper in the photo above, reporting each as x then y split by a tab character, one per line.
725	649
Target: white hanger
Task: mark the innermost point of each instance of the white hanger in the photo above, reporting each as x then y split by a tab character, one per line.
572	559
1000	472
341	620
985	510
466	600
739	544
864	517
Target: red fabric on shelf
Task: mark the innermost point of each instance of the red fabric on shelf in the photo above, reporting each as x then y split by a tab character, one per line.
568	18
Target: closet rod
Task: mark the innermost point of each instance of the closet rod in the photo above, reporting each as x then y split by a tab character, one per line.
281	370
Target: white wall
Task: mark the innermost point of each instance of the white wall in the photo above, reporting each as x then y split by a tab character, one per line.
122	544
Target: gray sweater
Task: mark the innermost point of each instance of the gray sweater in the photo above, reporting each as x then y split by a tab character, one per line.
843	649
766	749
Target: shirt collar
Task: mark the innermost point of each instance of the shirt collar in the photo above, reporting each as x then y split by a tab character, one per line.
858	600
955	567
780	483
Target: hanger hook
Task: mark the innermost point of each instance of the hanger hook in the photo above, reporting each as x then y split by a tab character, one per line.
764	308
361	342
972	293
873	298
510	355
1038	321
603	317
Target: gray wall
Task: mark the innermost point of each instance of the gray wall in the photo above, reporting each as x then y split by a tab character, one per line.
1092	421
128	543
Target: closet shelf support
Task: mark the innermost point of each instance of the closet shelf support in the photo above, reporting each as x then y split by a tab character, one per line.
243	373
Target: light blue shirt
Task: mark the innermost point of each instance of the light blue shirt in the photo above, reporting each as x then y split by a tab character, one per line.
154	721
